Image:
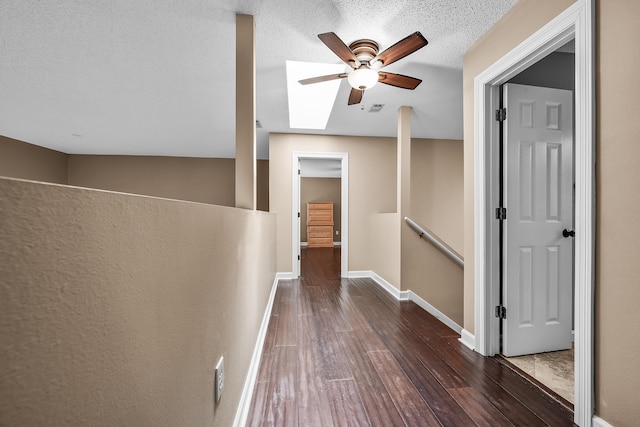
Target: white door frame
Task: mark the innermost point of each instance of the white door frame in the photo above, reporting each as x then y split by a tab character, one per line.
295	207
575	22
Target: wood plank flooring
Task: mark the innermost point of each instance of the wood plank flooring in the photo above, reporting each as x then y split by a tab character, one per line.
342	352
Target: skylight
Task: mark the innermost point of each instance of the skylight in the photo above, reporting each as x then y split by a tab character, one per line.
310	105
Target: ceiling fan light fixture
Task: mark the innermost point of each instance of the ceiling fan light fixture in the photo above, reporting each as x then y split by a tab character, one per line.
363	78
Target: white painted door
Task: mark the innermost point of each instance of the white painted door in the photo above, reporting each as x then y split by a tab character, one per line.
538	195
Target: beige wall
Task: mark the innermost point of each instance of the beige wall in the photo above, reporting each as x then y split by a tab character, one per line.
618	205
617	176
436	204
372	171
437	184
194	179
374	224
27	161
320	190
203	180
116	308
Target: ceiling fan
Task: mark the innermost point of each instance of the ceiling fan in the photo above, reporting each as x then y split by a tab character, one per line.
362	55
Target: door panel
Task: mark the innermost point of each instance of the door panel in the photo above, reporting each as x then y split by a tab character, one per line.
538	194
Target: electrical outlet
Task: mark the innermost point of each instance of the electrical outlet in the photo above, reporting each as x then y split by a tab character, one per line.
219	381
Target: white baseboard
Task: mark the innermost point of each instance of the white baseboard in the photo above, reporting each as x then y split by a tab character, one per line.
247	392
599	422
305	244
286	275
406	295
359	274
468	339
434	312
388	287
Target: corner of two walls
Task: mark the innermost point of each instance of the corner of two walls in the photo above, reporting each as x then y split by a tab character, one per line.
27	161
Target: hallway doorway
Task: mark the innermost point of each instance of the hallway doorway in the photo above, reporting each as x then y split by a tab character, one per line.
574	23
537	185
319	165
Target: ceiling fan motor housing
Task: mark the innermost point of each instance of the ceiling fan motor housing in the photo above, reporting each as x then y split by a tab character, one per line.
365	50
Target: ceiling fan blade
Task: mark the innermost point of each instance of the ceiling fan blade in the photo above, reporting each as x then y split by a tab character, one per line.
355	96
398	80
404	47
323	78
338	47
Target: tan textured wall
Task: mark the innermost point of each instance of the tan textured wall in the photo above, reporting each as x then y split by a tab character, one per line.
617	177
320	190
618	205
27	161
184	178
114	309
372	171
522	20
437	183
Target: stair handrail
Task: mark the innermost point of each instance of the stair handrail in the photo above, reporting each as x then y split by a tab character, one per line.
435	241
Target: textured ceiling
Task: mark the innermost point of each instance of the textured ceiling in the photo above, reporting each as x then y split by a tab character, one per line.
157	77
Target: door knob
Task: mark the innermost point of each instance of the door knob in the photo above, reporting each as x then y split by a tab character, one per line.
567	233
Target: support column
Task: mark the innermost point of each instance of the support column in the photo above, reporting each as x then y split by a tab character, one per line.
245	112
403	183
404	161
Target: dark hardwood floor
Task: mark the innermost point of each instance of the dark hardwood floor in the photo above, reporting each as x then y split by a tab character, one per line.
342	352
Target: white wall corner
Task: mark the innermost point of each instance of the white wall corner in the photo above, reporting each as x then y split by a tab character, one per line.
599	422
468	339
359	274
434	312
247	391
392	290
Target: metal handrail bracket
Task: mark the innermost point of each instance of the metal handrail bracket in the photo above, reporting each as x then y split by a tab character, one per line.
435	241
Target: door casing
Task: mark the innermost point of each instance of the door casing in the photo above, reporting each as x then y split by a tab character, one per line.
577	22
295	207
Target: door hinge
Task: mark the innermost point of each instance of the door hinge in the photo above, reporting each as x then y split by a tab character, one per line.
501	213
501	114
298	171
298	257
298	214
501	312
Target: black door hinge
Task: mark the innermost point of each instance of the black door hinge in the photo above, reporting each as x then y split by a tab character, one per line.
298	214
501	213
298	257
501	114
501	312
298	171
